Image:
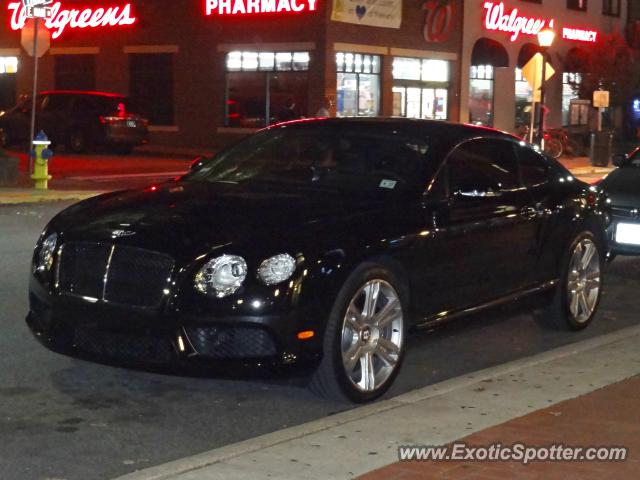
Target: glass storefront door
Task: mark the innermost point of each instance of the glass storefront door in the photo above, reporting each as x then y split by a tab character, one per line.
415	102
420	88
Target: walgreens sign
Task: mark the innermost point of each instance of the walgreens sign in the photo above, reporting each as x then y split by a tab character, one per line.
497	17
63	18
251	7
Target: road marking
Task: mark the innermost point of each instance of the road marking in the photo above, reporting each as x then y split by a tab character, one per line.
431	415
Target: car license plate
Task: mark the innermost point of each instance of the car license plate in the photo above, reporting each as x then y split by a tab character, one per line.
131	124
628	233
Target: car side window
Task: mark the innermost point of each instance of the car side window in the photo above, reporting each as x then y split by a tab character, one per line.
82	104
483	166
533	167
55	103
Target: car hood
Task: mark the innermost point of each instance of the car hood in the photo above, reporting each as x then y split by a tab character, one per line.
623	187
187	219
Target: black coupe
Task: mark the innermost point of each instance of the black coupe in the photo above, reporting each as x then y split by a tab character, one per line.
321	241
622	187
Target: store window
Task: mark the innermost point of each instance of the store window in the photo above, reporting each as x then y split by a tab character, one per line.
358	90
577	5
8	82
265	87
420	88
75	72
611	7
481	95
570	81
151	86
524	99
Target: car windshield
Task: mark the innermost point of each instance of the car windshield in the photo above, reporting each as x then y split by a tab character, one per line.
322	157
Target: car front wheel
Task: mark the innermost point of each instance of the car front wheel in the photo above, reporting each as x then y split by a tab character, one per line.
365	337
577	297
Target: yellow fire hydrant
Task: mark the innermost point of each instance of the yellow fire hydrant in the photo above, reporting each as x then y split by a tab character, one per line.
41	156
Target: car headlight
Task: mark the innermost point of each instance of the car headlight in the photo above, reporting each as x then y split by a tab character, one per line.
277	269
46	254
221	276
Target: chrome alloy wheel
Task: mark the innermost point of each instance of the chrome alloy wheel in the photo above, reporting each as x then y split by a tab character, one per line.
372	335
583	282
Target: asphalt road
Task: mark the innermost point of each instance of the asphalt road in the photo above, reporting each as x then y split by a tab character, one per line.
62	418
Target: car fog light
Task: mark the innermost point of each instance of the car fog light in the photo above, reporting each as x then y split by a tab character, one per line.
277	269
221	276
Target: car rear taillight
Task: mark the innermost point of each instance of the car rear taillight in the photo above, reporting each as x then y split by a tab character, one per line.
109	119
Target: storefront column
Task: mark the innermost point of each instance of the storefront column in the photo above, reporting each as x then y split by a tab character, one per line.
554	100
322	78
386	86
504	99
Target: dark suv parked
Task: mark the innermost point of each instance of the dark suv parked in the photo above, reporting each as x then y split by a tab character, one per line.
77	119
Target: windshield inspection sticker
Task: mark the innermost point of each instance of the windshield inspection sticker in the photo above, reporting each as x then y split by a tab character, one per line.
390	184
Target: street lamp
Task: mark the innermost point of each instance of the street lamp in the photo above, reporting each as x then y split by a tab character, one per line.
546	37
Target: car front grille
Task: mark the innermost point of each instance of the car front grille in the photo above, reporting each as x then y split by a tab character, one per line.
231	342
141	347
113	273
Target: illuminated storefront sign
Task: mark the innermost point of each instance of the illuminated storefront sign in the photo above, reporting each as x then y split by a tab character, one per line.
580	35
439	21
513	22
250	7
62	18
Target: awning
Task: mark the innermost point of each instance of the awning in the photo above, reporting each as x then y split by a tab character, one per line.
527	52
489	52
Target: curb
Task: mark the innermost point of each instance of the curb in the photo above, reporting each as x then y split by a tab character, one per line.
187	465
21	197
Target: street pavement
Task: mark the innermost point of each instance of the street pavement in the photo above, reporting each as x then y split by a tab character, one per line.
62	418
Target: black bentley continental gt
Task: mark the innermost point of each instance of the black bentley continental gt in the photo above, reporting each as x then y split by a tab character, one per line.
322	242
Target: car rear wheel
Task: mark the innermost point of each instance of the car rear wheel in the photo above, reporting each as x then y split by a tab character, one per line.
365	337
77	142
577	297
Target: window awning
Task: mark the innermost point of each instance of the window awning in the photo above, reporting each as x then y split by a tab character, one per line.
527	52
489	52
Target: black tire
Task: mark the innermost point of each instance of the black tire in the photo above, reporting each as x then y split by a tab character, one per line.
558	314
330	380
77	142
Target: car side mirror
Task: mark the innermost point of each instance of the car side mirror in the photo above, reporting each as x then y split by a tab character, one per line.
619	160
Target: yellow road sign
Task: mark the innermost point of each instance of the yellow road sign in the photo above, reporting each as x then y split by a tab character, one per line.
532	71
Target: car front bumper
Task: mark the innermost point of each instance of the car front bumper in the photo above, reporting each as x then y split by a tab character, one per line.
111	333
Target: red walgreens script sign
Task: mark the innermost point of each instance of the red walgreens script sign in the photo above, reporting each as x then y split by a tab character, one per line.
251	7
62	18
498	18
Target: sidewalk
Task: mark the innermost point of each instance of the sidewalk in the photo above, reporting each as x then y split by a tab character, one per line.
17	196
606	417
585	394
582	166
